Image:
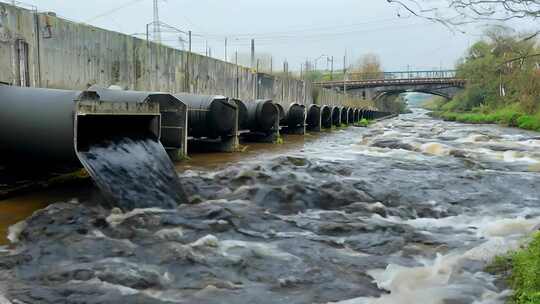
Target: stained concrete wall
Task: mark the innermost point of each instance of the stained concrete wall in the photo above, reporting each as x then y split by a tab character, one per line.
42	50
333	98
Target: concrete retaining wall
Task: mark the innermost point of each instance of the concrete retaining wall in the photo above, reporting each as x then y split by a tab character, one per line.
41	50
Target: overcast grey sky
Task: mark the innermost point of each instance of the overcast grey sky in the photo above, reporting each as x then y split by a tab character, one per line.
295	30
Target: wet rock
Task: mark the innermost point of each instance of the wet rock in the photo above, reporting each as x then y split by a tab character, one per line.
391	143
297	161
458	153
127	274
367	208
10	261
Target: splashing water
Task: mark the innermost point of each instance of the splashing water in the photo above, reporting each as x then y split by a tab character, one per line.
134	172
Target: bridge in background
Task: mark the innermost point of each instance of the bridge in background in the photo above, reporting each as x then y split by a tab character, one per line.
375	86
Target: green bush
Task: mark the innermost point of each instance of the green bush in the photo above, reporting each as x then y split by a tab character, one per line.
511	115
363	123
525	277
529	122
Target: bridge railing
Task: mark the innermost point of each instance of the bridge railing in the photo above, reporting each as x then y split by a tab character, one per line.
421	74
425	74
392	82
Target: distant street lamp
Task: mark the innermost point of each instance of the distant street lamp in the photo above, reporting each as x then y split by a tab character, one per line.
318	58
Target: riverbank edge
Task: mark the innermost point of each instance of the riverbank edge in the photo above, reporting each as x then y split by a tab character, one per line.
502	117
519	270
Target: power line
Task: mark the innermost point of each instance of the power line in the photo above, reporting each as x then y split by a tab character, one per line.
112	11
304	30
318	37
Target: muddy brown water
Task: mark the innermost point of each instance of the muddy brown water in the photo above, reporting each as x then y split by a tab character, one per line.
409	210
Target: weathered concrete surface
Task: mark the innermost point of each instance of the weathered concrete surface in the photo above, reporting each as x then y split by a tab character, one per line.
41	50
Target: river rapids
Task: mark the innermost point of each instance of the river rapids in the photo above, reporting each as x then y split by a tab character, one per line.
409	210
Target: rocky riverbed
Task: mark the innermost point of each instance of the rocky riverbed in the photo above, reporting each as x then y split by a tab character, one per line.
409	210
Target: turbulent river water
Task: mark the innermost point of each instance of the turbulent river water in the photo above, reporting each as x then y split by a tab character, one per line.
409	210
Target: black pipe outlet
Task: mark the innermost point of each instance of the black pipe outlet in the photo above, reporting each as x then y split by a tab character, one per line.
344	116
336	116
326	117
313	119
350	116
209	116
262	115
295	116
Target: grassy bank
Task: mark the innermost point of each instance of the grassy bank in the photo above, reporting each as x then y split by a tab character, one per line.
511	116
522	271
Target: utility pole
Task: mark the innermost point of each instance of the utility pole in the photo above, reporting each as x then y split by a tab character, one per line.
271	64
332	68
189	38
345	73
225	49
206	49
252	53
237	82
157	28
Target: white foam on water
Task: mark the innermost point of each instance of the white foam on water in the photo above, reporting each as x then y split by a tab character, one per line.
117	217
435	148
386	152
447	277
206	241
170	233
4	300
517	156
434	282
473	138
236	249
531	143
227	248
169	296
97	283
14	231
507	226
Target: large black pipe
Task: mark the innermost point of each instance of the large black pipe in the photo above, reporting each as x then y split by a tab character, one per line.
37	123
313	119
336	116
209	116
49	124
344	116
356	115
365	114
369	114
295	115
242	113
262	115
326	117
350	116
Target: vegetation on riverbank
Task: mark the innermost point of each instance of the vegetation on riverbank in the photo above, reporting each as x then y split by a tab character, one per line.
511	116
363	123
503	83
522	272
